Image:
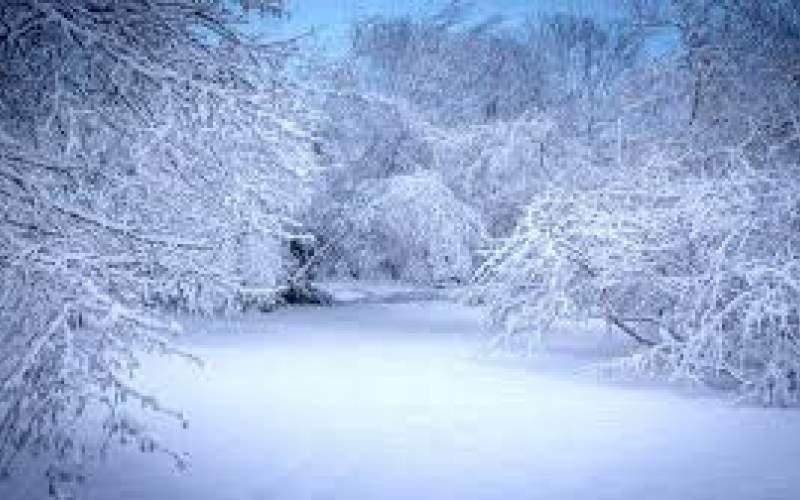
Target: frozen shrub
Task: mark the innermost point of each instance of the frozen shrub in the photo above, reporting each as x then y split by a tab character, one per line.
702	273
410	228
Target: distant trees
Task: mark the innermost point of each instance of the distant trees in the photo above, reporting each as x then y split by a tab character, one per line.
579	60
405	227
141	144
453	73
493	113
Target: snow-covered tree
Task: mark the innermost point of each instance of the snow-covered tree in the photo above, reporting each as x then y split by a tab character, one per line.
377	142
688	243
462	100
702	272
406	227
451	70
141	143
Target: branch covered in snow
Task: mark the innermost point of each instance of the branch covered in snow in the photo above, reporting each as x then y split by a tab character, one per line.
142	144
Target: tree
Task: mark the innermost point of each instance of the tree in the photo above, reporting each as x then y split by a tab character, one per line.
452	71
688	244
140	141
580	59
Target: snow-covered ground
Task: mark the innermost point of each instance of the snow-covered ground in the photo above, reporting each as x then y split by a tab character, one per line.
390	401
352	292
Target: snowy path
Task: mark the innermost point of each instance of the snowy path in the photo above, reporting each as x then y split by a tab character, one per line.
388	402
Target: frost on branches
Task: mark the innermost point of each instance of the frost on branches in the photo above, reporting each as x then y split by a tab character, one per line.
412	228
141	142
458	109
686	240
704	275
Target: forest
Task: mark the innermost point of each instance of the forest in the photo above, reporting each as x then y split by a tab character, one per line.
561	234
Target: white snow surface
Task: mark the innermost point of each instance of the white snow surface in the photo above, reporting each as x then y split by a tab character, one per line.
351	292
395	401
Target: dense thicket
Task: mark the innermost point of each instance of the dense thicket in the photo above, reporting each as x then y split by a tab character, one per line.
149	154
642	170
689	244
488	113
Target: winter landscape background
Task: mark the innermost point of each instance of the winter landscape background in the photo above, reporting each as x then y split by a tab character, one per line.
437	249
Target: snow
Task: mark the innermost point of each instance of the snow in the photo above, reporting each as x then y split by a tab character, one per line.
352	292
395	401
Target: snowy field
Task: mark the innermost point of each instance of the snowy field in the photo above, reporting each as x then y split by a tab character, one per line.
391	401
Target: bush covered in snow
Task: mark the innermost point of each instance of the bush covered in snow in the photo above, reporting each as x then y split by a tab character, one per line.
702	273
407	227
686	237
